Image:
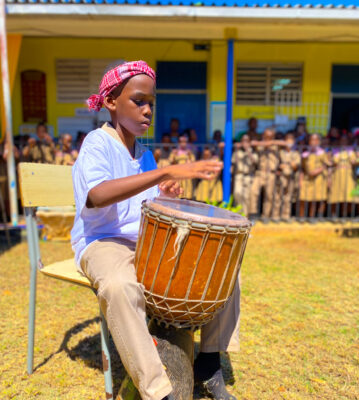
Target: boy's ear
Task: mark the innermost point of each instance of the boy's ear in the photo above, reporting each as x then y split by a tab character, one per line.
109	102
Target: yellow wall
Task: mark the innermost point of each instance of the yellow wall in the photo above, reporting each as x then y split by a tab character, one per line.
40	53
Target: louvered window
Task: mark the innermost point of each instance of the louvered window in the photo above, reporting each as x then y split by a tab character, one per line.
258	83
78	78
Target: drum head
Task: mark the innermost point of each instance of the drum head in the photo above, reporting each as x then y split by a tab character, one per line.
197	212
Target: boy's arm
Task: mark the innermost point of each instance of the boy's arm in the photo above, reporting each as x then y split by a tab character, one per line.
116	190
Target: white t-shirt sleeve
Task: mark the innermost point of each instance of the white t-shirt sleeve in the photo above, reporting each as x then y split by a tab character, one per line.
91	168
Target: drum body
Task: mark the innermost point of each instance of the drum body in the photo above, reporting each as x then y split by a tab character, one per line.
188	257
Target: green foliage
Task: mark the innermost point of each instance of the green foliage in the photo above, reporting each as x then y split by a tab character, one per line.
227	206
355	192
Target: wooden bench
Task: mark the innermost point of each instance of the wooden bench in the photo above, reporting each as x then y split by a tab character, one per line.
44	185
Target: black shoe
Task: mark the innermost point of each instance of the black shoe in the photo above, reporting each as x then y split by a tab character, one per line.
216	387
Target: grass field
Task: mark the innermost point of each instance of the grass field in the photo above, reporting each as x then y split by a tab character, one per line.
299	324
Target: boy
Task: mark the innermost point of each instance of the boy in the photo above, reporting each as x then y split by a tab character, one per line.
67	155
244	162
41	150
289	164
113	174
265	176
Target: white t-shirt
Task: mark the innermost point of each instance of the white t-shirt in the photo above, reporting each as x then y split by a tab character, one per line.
103	158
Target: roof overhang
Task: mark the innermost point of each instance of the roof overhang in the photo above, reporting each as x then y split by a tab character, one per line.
191	12
184	22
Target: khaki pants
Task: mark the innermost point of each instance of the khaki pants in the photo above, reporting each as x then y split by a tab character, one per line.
283	197
265	180
242	191
109	264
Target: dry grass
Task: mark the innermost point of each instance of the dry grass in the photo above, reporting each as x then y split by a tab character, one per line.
299	332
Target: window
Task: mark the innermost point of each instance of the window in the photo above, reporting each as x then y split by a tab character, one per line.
77	79
258	83
33	95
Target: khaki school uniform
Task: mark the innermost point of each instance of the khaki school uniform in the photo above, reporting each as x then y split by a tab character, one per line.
265	178
244	163
177	157
66	157
314	188
343	179
285	184
41	153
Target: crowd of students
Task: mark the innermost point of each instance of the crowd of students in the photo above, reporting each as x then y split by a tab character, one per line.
274	175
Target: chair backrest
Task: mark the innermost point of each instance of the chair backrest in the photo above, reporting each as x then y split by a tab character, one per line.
45	185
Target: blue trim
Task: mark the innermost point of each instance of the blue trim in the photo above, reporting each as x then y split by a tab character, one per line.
228	129
209	3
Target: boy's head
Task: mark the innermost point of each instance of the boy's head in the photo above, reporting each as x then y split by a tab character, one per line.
174	125
252	124
66	141
41	130
314	140
289	139
207	154
269	134
217	136
128	93
245	140
182	142
166	138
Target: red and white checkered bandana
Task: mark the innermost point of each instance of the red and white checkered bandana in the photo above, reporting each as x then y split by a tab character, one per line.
115	77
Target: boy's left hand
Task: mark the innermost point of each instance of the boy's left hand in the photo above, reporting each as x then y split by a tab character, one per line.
170	188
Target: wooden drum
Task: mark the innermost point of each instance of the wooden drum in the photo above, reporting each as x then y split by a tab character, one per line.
188	257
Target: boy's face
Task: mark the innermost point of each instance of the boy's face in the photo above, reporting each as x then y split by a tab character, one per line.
314	141
289	140
41	132
132	107
207	154
268	135
182	142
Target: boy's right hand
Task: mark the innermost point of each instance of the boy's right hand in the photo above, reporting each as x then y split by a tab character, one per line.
200	169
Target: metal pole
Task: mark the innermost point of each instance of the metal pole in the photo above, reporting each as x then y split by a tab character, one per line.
229	128
11	170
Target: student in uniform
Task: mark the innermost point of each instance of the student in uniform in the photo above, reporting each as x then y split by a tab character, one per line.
265	176
183	155
113	174
66	155
244	163
289	163
42	149
314	181
210	190
343	179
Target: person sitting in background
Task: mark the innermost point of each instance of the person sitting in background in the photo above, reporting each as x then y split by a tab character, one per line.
343	179
313	188
333	136
251	131
182	155
289	162
79	139
66	155
192	140
174	130
301	133
265	176
244	162
218	144
161	154
210	190
42	149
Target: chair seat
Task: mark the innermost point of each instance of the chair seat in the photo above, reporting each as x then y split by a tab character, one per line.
67	271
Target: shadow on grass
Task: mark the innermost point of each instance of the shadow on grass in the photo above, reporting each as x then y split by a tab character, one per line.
89	351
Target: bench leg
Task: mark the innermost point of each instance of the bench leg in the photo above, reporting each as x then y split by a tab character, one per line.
32	238
106	359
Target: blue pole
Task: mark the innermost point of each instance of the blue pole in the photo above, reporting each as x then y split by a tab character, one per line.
228	129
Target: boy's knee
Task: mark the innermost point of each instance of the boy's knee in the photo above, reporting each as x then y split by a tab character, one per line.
122	289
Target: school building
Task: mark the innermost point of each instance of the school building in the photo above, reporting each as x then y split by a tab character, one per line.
288	59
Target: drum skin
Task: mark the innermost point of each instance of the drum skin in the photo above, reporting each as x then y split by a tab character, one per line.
186	284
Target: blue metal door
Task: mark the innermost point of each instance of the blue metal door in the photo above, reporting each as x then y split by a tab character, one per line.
189	109
181	94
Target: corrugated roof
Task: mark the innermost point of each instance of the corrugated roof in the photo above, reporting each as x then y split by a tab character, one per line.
351	4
